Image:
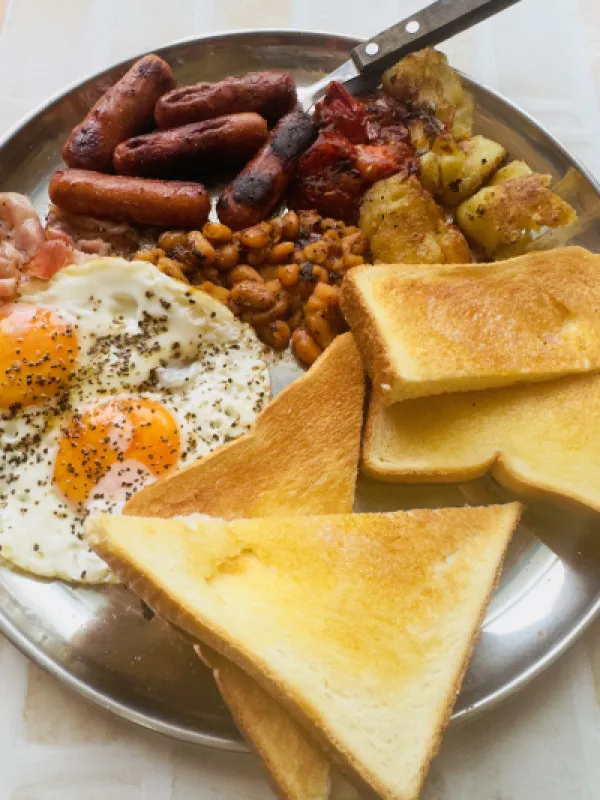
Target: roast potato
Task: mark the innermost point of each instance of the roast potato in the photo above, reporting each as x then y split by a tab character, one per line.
441	160
404	224
500	219
426	79
481	159
454	170
516	169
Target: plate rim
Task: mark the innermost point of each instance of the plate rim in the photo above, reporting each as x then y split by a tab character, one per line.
214	741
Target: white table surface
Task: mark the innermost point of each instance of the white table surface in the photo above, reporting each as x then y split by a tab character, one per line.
543	744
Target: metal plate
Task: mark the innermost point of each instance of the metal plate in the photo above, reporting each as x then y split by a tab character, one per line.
98	642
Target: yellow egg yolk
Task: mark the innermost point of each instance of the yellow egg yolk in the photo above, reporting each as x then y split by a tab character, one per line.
38	350
132	431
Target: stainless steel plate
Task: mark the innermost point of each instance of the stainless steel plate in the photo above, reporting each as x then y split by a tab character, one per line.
99	642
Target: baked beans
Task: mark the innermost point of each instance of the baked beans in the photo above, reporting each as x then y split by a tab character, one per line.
281	276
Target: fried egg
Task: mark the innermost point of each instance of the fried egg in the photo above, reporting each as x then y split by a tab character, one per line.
111	375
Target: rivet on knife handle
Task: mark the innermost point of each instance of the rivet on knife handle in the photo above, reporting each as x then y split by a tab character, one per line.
430	26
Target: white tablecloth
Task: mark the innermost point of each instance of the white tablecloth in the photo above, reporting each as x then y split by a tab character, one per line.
543	744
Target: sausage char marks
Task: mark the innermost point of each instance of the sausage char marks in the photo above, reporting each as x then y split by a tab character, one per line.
257	190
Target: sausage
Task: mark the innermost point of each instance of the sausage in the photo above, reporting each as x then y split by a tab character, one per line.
172	204
234	139
270	93
259	187
123	111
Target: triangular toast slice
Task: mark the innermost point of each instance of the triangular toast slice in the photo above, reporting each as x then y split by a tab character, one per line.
301	457
538	439
301	454
298	767
429	329
361	624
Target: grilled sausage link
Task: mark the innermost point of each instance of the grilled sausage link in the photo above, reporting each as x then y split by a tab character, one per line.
233	139
271	94
123	111
173	204
259	187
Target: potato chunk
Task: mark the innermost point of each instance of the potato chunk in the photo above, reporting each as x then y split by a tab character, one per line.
426	79
404	224
454	171
441	160
500	219
516	169
481	159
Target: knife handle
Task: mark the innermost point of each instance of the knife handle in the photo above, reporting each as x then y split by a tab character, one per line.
430	26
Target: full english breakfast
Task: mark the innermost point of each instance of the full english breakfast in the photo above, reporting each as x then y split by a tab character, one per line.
393	176
376	235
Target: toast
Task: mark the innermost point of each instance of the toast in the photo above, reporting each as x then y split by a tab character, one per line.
360	624
539	439
301	454
431	329
297	766
290	449
291	601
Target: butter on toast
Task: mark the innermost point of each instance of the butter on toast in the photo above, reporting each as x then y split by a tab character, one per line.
301	457
360	624
538	439
431	329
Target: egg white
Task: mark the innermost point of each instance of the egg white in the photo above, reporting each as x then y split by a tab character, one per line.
140	334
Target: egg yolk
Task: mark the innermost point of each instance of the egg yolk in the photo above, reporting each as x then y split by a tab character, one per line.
138	432
38	350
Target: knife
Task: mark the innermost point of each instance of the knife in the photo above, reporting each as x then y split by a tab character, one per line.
430	26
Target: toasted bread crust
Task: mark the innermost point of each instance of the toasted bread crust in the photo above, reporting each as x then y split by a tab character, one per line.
506	475
361	315
433	329
298	768
374	462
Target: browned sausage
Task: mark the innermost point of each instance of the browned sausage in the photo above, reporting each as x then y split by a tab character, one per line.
259	187
233	139
270	94
172	204
123	111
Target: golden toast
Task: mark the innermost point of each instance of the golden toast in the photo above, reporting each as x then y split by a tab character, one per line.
301	457
361	625
297	765
431	329
538	439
